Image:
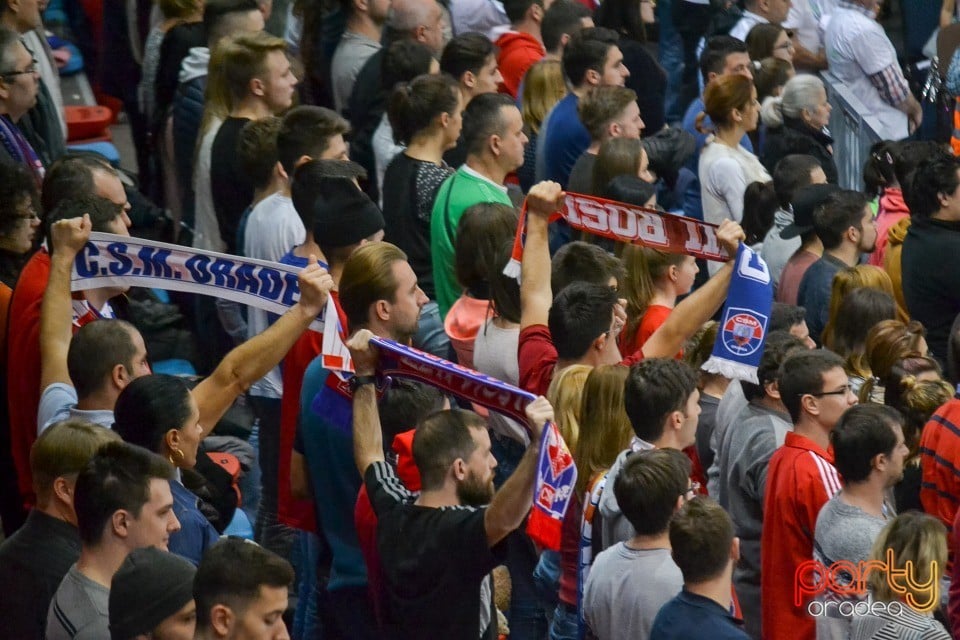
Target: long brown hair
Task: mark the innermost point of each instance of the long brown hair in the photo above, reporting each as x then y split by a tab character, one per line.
848	279
605	429
644	267
565	394
617	157
543	87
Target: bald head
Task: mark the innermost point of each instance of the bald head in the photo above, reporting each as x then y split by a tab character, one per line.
420	20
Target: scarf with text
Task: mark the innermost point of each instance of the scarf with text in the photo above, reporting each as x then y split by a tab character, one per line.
118	261
556	471
626	223
110	260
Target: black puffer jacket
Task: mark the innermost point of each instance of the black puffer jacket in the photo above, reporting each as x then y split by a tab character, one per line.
795	136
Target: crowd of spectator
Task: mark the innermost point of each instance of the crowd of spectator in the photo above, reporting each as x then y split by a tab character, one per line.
178	466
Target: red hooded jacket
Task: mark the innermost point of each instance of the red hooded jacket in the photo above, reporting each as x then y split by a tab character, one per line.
518	52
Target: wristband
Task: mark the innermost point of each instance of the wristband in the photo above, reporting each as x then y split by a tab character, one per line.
358	381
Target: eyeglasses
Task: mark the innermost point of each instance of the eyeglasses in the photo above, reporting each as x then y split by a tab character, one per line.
692	491
31	69
842	391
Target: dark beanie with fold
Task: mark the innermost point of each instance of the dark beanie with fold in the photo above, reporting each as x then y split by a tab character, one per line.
343	214
150	586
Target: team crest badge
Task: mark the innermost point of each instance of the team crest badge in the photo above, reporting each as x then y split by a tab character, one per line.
743	331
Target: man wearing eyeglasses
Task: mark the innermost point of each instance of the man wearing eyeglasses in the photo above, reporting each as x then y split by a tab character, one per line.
19	83
801	478
44	125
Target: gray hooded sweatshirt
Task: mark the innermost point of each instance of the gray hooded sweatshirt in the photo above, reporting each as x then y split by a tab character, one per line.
776	251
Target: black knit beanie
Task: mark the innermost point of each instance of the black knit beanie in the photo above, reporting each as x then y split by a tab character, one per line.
150	586
343	214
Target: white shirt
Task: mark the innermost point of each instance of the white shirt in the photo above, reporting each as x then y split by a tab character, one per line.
725	173
482	16
385	149
272	228
808	19
748	21
857	48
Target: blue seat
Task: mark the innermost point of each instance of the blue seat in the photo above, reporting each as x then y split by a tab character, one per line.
105	149
240	526
174	367
162	295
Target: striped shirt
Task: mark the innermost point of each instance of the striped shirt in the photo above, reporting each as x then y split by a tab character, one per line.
800	480
940	461
893	623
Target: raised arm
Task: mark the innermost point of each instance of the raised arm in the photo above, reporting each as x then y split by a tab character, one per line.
252	360
367	435
699	306
56	326
512	502
805	59
535	293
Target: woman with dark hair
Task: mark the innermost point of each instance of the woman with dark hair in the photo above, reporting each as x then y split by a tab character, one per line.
19	225
654	281
404	61
481	232
647	77
426	116
768	40
620	157
19	230
495	354
859	311
760	205
914	387
158	412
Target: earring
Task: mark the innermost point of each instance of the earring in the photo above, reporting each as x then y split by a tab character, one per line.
176	453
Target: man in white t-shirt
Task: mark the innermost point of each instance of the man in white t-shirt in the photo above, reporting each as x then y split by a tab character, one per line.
861	56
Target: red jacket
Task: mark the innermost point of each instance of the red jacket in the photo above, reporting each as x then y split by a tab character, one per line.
23	361
892	210
23	365
800	480
518	52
